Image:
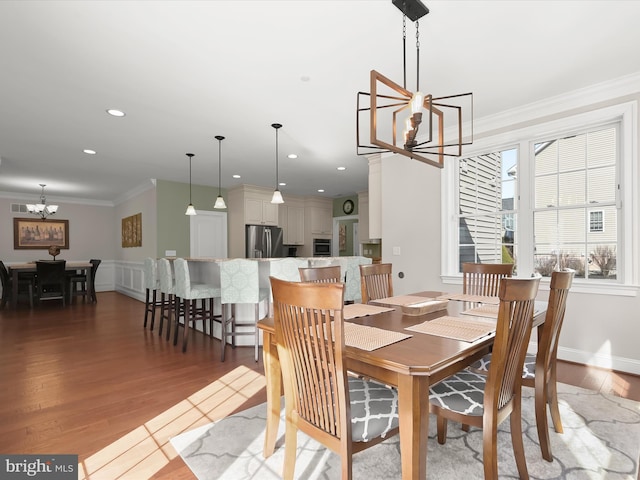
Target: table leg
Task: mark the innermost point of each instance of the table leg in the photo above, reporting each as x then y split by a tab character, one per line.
413	405
273	377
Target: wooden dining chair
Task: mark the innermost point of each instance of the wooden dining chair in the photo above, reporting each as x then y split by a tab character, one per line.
484	278
86	283
26	286
331	274
485	401
539	371
376	281
344	413
151	286
51	280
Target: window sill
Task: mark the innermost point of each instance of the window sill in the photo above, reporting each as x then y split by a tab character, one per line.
594	288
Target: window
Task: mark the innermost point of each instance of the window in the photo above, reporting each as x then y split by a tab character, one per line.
572	175
596	221
487	201
545	201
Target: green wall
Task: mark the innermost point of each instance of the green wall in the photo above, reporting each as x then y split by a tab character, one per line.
173	225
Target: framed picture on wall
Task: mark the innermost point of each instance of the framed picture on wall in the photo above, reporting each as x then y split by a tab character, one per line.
132	231
30	233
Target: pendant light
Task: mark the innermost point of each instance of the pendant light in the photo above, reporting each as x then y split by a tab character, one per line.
277	196
190	209
219	201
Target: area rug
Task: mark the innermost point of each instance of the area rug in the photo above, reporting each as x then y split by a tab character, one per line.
601	440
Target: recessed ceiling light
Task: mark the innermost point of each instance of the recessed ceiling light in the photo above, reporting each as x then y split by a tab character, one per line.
321	190
342	168
305	78
292	155
282	184
88	151
236	176
115	112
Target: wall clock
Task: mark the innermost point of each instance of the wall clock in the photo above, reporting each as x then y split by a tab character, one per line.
347	207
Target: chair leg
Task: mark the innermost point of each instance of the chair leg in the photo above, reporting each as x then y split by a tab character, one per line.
223	329
552	398
179	308
290	447
188	313
442	429
153	310
146	307
170	308
490	450
541	395
516	438
162	309
255	331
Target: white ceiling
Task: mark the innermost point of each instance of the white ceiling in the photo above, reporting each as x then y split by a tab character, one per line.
186	71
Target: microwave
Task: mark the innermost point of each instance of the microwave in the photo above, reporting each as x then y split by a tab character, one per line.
321	247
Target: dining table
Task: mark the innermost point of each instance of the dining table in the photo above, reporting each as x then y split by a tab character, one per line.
30	267
411	364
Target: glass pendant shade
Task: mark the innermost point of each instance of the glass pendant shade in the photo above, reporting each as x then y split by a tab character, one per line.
220	202
277	197
190	210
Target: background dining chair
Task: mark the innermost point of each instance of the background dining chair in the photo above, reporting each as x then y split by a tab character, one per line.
189	293
151	285
86	283
539	371
484	278
240	284
51	280
321	274
485	401
26	286
376	281
344	413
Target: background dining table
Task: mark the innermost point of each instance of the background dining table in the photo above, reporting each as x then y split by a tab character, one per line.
411	365
16	269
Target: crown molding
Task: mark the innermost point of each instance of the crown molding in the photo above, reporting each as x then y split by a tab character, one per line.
134	192
601	92
21	197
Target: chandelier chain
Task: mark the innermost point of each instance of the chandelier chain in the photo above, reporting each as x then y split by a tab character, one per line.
404	49
417	56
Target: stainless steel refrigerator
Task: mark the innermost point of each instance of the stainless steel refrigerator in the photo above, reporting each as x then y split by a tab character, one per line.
263	242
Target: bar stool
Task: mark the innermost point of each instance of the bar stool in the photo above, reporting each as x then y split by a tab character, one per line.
167	294
240	283
151	284
187	292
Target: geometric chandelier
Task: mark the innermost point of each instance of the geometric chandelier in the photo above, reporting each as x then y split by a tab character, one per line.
397	115
42	209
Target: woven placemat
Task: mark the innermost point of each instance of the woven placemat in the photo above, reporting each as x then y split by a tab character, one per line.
465	297
402	300
370	338
490	311
455	328
356	310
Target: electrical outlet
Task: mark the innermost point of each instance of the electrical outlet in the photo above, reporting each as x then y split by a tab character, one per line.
169	253
396	250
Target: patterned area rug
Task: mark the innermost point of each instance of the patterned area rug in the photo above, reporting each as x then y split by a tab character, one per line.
601	440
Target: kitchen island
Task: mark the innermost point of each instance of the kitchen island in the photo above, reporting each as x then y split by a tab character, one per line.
207	270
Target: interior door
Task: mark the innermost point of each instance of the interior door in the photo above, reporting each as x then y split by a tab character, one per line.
208	232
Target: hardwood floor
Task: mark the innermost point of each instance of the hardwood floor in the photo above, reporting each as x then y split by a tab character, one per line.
90	380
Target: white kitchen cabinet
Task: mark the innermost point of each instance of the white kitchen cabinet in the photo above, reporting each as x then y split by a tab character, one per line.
260	212
294	228
321	220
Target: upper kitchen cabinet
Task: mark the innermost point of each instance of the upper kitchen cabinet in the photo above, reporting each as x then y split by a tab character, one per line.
292	222
320	216
260	212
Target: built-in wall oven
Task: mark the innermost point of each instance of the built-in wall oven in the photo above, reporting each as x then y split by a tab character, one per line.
321	247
